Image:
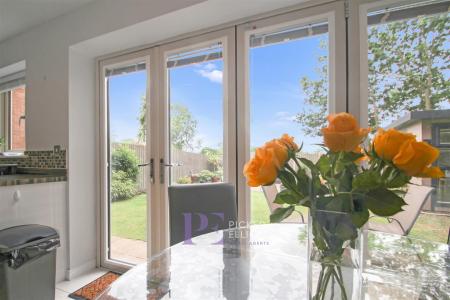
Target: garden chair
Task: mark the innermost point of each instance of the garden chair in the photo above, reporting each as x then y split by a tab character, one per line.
402	222
270	193
195	204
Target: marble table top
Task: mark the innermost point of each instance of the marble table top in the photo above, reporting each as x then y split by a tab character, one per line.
270	262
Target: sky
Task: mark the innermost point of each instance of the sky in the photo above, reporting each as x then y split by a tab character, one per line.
275	94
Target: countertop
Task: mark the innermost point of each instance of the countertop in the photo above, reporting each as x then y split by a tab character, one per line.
32	176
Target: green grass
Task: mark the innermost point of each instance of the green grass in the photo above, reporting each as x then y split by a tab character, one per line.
128	219
260	211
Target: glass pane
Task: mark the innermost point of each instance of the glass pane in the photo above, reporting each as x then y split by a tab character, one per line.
12	119
196	115
17	124
288	94
444	136
126	90
408	62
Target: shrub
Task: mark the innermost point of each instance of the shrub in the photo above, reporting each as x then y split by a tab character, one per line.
125	160
122	187
184	180
207	176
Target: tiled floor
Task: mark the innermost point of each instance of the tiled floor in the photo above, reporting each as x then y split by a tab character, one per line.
64	288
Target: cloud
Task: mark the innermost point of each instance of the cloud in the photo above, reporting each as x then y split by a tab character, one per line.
285	116
210	67
211	72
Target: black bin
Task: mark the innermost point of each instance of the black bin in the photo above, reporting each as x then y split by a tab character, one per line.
28	262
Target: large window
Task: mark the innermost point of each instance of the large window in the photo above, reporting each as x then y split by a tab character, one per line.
295	103
408	63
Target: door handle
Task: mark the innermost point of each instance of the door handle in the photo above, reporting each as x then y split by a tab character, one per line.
162	168
152	169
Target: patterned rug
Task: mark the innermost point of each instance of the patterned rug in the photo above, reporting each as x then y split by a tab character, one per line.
95	288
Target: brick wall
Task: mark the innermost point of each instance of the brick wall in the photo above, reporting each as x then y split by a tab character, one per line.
18	124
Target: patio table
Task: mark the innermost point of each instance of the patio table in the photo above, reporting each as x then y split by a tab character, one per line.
270	262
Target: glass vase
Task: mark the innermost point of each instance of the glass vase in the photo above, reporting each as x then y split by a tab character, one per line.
334	256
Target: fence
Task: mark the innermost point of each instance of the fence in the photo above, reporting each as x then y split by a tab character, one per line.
189	162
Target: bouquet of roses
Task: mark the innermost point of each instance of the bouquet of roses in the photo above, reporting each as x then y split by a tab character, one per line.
349	180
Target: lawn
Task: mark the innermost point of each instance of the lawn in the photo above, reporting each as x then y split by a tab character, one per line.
128	218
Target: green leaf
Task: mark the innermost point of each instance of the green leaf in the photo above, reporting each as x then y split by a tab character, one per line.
384	202
309	164
359	218
397	179
288	180
281	213
287	197
346	231
367	180
324	164
340	203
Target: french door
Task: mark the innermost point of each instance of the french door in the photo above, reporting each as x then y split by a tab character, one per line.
203	103
196	118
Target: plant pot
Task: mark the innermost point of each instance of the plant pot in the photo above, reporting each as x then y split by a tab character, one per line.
334	256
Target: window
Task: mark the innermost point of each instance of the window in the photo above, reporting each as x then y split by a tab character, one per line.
408	61
196	101
12	119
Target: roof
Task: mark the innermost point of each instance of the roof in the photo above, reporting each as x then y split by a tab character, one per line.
412	117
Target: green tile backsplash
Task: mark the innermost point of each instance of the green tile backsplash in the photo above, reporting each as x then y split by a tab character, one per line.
38	159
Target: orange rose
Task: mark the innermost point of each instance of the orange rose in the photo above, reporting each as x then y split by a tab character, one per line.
343	133
289	142
279	150
387	143
414	158
261	170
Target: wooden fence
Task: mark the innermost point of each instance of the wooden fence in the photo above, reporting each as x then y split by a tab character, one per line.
190	163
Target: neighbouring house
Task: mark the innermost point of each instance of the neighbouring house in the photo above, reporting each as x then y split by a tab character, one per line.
432	126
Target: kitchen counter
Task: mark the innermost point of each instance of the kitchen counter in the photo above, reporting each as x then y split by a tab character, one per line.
32	176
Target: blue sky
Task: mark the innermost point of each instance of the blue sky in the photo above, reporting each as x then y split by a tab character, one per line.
275	92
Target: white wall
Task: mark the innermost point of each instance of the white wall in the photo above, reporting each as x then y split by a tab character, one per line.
82	164
60	80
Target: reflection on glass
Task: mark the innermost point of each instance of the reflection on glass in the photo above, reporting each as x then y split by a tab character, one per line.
288	87
408	62
196	115
126	96
12	119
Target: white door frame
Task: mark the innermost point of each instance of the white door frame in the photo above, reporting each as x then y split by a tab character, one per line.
334	14
103	241
160	215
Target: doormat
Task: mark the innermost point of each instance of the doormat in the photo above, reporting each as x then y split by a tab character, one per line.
95	288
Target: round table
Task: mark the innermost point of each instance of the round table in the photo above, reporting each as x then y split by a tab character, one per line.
270	262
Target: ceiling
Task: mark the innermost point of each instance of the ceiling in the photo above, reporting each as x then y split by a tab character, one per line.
17	16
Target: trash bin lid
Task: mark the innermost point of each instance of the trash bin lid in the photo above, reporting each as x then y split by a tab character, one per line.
22	236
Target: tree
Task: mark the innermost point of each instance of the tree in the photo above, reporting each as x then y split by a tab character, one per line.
142	133
408	65
183	126
316	100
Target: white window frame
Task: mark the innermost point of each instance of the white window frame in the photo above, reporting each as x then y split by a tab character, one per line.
333	14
